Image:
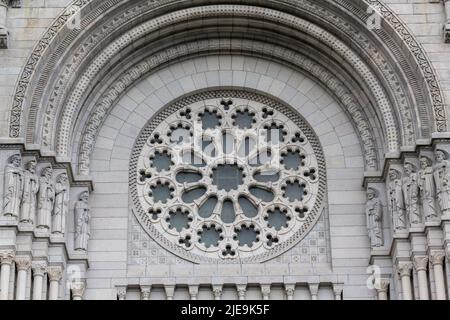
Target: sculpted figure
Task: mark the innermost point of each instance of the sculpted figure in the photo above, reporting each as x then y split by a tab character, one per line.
46	199
427	189
396	203
61	204
441	177
374	213
13	186
410	187
82	222
30	190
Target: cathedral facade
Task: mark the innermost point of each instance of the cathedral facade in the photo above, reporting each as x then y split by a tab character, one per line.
225	150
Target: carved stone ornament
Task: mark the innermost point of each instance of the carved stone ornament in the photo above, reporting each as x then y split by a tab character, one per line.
39	268
420	263
46	199
77	289
13	186
437	257
396	200
122	293
410	189
374	215
82	222
55	273
427	189
382	284
441	179
23	263
227	175
61	208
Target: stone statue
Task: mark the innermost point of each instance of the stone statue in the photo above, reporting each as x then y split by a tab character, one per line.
46	199
82	222
427	188
61	204
441	177
396	203
13	186
30	190
410	187
374	213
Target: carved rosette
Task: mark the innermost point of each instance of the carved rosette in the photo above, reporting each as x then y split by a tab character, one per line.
193	292
265	290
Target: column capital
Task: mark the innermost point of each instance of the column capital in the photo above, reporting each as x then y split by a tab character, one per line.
23	263
447	252
7	256
145	292
77	289
338	288
241	290
55	273
39	268
193	291
265	290
122	292
170	291
382	284
217	291
420	263
289	289
404	269
437	257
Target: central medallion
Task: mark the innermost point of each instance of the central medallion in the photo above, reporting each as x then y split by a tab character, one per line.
227	175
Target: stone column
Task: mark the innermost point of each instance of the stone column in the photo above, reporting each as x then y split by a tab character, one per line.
217	291
382	287
122	293
170	291
404	270
290	291
421	266
23	265
145	292
337	290
241	291
39	270
314	290
193	292
265	290
7	257
437	261
55	276
77	290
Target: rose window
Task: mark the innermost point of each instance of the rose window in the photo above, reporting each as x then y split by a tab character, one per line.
227	175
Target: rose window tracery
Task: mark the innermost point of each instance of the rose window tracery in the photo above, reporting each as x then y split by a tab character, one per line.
227	175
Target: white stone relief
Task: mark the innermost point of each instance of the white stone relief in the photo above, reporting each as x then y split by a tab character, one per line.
61	204
46	199
427	189
396	201
13	186
30	190
410	189
374	213
82	222
441	177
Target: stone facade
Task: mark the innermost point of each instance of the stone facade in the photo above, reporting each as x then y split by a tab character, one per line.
92	91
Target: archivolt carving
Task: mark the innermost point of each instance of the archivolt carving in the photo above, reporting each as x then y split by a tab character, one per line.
66	120
415	48
328	79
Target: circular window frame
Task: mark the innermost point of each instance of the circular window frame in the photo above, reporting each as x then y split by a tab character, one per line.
228	93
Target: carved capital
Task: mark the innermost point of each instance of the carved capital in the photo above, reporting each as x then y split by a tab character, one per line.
39	268
242	291
193	291
217	291
404	269
437	257
7	256
54	273
337	289
314	289
122	293
265	290
382	284
170	291
23	263
420	263
145	292
290	290
77	289
447	252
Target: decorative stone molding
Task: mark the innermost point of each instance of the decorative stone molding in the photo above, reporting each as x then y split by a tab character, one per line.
420	263
23	263
314	290
289	289
170	291
437	257
193	291
265	291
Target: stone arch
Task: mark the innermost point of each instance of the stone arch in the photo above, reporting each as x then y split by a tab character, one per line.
393	94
